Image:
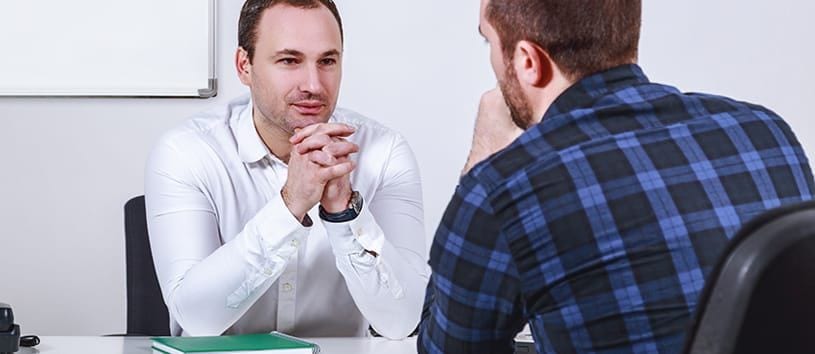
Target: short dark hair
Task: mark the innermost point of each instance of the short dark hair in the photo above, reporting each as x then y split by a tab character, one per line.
581	36
253	9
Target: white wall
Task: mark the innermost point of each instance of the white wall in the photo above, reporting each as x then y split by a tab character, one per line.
758	51
68	165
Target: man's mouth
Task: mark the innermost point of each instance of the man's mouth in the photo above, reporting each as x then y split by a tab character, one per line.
308	108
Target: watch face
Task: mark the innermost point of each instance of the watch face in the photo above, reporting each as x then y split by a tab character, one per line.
356	202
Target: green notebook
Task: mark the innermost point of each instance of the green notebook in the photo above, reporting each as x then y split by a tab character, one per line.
275	342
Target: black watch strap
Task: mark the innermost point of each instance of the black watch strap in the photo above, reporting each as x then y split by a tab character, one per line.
351	213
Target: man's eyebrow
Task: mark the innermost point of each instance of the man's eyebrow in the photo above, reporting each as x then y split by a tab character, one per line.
291	52
331	52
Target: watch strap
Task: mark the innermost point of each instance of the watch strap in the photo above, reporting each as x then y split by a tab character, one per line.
346	215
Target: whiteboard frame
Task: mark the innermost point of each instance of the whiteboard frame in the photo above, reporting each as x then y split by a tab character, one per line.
206	92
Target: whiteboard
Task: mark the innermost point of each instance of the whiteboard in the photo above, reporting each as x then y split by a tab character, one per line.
144	48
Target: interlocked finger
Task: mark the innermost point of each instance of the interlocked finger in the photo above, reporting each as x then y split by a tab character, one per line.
330	129
326	174
340	147
322	158
314	142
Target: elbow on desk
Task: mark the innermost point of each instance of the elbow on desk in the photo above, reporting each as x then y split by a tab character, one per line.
402	323
394	333
195	323
196	328
397	330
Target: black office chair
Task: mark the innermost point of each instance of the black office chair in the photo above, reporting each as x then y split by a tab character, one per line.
761	296
146	312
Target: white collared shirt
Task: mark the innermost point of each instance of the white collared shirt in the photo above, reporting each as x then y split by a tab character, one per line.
231	258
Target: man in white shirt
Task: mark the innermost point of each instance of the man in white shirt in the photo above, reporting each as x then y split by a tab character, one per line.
280	212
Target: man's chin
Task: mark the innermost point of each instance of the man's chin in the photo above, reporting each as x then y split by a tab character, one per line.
300	121
522	122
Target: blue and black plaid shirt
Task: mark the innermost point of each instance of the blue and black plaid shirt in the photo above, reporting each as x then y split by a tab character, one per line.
599	225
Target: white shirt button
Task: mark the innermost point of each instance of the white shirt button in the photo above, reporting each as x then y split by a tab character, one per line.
295	243
287	287
268	271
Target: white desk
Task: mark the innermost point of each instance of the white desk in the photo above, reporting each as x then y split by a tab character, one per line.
141	345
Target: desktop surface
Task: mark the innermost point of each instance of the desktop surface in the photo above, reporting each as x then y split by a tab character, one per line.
141	345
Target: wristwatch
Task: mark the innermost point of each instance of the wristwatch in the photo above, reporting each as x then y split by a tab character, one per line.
354	208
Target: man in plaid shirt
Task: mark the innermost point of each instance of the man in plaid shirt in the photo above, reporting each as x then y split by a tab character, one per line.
594	203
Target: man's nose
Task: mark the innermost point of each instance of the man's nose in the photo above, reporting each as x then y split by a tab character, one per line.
311	81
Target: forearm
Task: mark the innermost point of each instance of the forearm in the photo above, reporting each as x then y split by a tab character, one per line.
389	294
387	288
209	286
217	291
478	152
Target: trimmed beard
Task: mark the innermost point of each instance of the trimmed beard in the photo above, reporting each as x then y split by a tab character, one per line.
519	107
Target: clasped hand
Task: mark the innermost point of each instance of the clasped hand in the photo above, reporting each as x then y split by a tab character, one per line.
494	129
319	169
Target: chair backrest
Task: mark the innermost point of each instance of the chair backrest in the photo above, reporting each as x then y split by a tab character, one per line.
761	296
146	312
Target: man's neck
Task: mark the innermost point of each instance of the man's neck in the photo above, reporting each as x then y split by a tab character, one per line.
545	98
275	139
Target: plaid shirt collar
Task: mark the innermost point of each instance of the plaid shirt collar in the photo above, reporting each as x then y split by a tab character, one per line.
585	91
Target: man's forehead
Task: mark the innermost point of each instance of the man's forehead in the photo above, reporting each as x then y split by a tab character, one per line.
284	16
482	14
484	6
307	31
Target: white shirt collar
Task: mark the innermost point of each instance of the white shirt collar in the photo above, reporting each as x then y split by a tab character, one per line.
250	146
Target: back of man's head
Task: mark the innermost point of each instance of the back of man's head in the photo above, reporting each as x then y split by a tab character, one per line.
581	36
253	9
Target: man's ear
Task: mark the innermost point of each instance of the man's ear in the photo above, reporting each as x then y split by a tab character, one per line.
533	66
242	65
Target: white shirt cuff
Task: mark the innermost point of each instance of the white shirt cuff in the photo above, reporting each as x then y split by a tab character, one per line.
278	227
355	236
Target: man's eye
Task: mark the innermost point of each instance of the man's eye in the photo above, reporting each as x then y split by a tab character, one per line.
328	61
287	61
